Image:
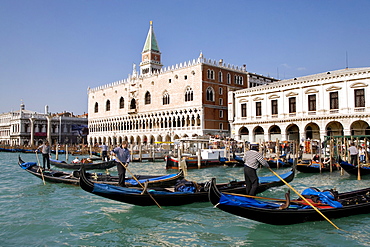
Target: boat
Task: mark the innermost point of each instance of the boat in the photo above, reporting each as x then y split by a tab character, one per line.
287	212
273	163
315	167
185	192
364	169
209	158
73	178
88	166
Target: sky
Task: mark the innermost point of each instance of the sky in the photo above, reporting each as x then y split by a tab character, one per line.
52	51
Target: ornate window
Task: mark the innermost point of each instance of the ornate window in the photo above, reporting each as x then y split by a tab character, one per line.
274	107
107	105
243	109
220	76
121	103
189	94
228	78
334	101
96	107
147	98
312	102
210	74
292	105
210	94
166	99
359	97
133	104
258	109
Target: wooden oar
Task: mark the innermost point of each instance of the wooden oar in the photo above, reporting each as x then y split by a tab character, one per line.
137	181
42	173
308	202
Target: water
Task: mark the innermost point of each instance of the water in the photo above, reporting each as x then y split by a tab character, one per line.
33	214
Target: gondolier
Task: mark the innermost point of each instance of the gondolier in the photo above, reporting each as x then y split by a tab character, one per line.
123	154
252	159
45	150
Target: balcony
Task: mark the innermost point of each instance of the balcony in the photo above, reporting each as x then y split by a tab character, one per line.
132	111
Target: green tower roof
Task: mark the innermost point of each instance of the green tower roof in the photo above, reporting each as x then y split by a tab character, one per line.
150	42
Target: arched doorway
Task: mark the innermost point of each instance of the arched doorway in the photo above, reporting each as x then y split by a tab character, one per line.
292	132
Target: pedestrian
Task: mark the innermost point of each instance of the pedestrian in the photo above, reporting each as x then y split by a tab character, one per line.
45	150
361	152
123	155
353	152
252	159
104	152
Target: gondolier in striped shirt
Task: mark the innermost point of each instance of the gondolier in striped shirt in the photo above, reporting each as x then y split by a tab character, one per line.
252	159
123	154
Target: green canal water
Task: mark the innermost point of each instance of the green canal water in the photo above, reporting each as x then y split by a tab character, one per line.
33	214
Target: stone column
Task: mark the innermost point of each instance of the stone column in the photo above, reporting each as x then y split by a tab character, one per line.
48	130
32	122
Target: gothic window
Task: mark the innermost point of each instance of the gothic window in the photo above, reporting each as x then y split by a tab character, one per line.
258	109
107	105
210	74
96	108
312	102
228	78
238	80
220	76
133	104
210	94
147	98
189	94
292	105
359	97
274	107
244	110
334	101
166	99
221	113
221	91
121	103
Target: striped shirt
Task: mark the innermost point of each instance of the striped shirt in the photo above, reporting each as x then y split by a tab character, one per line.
253	158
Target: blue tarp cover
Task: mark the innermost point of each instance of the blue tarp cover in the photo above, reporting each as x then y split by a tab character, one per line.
27	165
269	179
241	201
325	197
112	189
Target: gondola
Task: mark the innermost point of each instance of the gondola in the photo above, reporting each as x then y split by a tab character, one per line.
73	178
273	163
353	170
282	212
183	193
316	167
89	166
192	162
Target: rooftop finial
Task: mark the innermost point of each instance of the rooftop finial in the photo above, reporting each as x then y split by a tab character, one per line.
151	23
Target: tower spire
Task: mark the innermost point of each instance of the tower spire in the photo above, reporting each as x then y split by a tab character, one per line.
151	55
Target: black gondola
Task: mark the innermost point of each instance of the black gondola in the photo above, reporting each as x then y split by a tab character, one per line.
316	167
353	170
352	203
184	193
89	166
74	177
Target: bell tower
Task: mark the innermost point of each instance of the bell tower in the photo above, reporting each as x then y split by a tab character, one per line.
150	56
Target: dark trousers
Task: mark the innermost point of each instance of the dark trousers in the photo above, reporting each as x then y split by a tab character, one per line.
46	158
354	159
251	180
121	174
104	155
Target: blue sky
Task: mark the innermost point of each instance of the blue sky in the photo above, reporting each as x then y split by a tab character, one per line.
51	51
